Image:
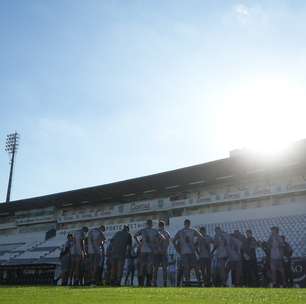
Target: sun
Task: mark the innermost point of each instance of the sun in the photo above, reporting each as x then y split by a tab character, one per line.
263	115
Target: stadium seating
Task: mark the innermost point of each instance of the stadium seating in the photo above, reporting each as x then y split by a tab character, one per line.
293	227
33	248
13	246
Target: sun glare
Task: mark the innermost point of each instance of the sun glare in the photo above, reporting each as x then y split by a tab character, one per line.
264	116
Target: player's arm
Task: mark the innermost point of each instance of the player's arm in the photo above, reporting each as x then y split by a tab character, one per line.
103	239
83	245
197	247
198	234
160	236
175	242
129	246
136	236
215	246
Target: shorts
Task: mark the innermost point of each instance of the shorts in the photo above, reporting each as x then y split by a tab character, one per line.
146	258
205	262
76	261
277	265
189	260
66	263
235	266
161	259
94	259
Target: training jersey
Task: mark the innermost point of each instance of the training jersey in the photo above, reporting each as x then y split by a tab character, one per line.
234	249
221	241
249	248
77	244
277	247
164	242
94	240
120	241
149	240
186	238
204	246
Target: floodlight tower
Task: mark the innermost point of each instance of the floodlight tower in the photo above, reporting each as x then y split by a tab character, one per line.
12	141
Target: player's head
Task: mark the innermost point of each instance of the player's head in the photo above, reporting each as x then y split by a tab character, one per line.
249	233
274	230
85	229
187	223
126	228
284	238
102	228
161	224
69	237
149	223
203	230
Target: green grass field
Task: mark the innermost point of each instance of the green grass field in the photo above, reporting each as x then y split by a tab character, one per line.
66	295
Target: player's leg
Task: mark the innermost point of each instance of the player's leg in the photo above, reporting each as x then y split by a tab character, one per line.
238	270
164	262
196	266
113	270
208	272
149	269
155	268
120	270
222	271
141	269
186	267
282	273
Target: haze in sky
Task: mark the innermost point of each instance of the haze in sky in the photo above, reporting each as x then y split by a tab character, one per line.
102	91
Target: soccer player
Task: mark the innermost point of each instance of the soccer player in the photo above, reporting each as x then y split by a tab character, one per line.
221	241
77	252
108	254
95	240
161	255
276	245
249	260
184	241
65	258
287	262
131	261
204	253
121	246
150	237
234	256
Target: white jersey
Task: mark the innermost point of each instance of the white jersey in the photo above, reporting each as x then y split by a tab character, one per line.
77	244
164	242
149	240
94	240
186	238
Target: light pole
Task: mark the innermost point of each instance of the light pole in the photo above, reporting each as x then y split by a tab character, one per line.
11	147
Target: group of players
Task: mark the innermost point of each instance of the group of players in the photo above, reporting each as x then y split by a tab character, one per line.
84	256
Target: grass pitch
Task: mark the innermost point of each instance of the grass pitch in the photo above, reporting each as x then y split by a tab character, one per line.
70	295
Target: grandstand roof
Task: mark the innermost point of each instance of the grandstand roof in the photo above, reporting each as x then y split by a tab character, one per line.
127	190
142	187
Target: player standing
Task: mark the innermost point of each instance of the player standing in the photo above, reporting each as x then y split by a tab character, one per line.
65	258
185	240
121	246
161	255
95	239
150	237
276	245
221	242
77	252
204	252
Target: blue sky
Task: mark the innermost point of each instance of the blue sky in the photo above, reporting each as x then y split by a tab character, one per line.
102	91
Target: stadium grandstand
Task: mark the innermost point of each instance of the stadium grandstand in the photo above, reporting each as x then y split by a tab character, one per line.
240	192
